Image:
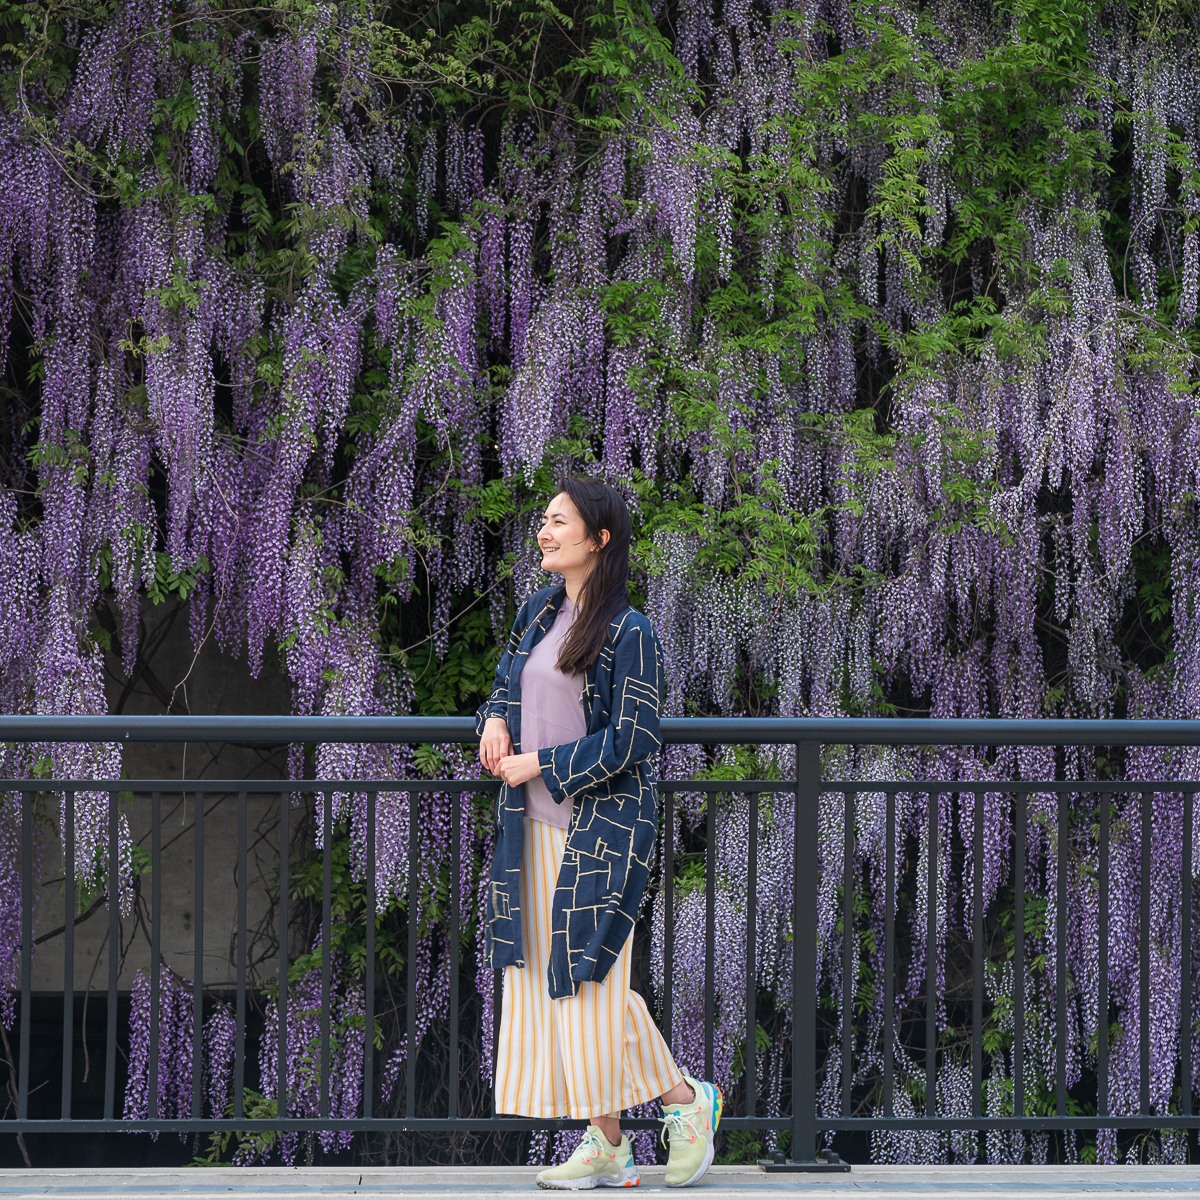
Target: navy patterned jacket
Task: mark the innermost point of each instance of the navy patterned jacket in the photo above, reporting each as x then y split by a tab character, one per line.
607	773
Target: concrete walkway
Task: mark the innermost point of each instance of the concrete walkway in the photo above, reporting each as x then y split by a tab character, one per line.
415	1183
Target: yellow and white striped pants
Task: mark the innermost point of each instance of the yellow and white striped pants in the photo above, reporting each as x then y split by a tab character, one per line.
588	1055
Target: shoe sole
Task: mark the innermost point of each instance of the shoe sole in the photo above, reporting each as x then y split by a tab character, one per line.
717	1098
629	1178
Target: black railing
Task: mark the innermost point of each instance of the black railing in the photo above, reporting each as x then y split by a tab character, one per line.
806	737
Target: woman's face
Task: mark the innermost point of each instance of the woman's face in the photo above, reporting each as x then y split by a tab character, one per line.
566	547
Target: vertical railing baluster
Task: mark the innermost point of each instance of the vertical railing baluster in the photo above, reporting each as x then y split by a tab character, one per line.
497	1012
751	950
326	942
1185	964
848	817
198	967
889	955
155	945
710	926
239	1049
1144	962
931	904
977	959
26	953
668	885
285	854
455	901
68	1031
1060	957
497	996
805	865
114	960
369	985
1021	801
1102	962
410	987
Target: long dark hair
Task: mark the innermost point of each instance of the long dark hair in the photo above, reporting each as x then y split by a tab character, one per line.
606	591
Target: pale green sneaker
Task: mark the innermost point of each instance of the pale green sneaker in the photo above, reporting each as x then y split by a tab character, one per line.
692	1129
595	1163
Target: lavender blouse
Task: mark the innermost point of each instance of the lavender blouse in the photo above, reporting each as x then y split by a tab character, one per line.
551	713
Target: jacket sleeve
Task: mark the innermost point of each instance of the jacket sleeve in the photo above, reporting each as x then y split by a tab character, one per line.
496	705
632	733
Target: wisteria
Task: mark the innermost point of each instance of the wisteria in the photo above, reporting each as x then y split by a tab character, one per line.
881	318
174	1029
303	1062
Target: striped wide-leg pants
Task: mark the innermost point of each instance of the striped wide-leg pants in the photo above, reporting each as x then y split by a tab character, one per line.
588	1055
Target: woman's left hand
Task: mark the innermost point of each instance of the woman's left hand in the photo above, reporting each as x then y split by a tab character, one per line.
518	768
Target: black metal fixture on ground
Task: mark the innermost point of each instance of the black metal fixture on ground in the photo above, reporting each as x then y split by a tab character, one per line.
826	1160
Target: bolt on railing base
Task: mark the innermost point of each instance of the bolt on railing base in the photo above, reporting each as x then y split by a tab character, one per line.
827	1160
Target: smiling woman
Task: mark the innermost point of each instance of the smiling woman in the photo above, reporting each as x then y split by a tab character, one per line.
575	1041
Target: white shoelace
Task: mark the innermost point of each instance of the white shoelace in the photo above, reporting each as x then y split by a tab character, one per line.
590	1142
678	1123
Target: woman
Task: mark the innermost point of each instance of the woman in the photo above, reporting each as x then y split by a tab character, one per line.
577	692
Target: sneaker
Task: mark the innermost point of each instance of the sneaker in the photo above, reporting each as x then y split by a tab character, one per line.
692	1128
595	1163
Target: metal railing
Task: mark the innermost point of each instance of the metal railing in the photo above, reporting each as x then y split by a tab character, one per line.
806	736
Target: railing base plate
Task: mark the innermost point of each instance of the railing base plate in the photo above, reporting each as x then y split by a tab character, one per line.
828	1161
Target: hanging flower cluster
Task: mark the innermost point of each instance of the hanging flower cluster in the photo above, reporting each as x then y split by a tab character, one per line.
304	1063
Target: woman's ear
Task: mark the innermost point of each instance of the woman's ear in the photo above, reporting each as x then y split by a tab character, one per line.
603	539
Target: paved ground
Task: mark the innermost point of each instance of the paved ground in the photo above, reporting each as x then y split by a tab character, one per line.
721	1183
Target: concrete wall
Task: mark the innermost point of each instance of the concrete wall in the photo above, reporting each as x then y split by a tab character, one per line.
204	683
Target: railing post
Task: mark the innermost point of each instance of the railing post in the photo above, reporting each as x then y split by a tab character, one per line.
804	952
805	865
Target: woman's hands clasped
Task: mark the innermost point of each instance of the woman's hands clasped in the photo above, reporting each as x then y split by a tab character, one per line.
495	743
496	754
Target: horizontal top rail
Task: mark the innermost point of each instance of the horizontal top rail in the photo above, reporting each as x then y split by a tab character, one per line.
198	786
867	731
